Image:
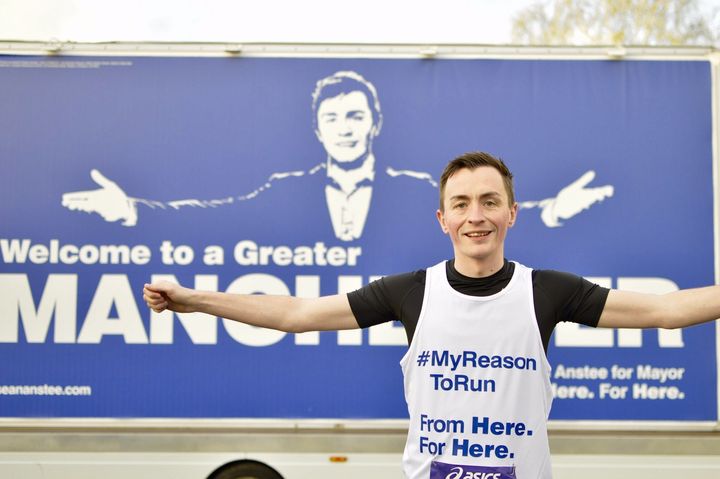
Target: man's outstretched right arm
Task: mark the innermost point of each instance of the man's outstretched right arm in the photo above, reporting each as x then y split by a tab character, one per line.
284	313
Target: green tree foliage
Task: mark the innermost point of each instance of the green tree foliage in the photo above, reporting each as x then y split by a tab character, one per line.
614	22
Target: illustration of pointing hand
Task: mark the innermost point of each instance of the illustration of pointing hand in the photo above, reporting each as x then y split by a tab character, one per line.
573	199
109	201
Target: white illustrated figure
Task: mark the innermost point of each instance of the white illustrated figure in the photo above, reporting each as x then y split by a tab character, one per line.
347	118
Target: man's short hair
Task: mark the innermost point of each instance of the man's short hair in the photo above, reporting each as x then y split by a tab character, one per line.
341	83
476	159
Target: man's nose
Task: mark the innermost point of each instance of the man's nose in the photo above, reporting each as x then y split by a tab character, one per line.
344	128
476	213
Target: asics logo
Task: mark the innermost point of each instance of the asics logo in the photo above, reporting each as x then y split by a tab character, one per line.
459	473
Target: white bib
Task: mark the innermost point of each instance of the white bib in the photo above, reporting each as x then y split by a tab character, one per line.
477	384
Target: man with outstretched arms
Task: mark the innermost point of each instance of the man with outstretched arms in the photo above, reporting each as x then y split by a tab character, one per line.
477	381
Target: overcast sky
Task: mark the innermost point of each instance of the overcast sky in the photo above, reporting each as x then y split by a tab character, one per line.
368	21
332	21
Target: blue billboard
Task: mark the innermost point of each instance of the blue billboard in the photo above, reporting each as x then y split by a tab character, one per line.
214	172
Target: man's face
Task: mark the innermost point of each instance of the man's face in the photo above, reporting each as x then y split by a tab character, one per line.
345	126
476	216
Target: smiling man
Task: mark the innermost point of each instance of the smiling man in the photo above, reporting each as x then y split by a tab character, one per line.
347	118
477	380
477	225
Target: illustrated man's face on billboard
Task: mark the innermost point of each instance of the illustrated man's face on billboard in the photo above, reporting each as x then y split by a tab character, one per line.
345	126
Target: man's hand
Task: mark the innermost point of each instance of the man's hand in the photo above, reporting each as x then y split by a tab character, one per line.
165	295
573	199
109	201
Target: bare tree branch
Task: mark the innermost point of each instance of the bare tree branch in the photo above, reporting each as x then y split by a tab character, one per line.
616	22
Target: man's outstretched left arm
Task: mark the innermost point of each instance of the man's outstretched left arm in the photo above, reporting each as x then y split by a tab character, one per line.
625	309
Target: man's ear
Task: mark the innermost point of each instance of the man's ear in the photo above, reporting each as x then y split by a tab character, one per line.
318	135
513	214
441	220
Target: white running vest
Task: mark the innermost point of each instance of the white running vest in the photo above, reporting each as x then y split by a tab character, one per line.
477	385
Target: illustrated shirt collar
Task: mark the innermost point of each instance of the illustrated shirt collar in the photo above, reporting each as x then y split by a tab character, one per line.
350	180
